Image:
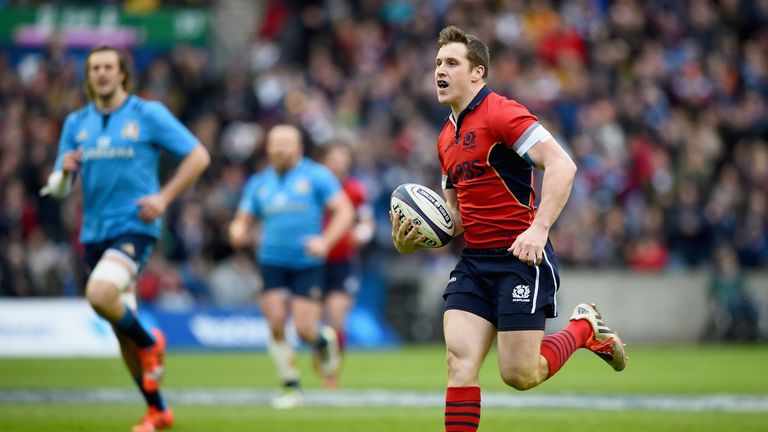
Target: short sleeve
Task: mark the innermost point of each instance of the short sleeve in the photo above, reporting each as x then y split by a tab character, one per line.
167	131
356	191
514	125
249	202
67	141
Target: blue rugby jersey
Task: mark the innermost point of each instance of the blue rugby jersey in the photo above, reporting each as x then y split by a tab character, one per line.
290	207
119	164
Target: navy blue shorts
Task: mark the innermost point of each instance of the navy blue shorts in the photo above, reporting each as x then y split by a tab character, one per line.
304	282
341	276
511	295
137	247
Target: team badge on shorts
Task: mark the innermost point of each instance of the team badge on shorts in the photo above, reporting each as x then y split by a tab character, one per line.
316	293
521	293
129	249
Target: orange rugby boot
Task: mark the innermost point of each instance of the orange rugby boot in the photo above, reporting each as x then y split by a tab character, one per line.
152	362
155	420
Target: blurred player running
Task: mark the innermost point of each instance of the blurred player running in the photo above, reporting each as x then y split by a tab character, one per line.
342	279
289	198
114	144
505	282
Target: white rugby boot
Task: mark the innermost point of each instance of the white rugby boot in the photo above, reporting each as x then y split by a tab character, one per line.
291	398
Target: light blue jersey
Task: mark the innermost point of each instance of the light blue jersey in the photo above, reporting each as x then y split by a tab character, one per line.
119	164
291	207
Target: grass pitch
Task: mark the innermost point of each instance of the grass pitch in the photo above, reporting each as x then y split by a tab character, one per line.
691	371
108	418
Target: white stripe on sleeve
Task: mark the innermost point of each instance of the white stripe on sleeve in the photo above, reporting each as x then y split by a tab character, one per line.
535	133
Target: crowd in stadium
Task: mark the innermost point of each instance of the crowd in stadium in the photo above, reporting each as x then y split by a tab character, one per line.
662	105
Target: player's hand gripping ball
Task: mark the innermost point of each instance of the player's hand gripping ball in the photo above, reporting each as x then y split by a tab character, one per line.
427	211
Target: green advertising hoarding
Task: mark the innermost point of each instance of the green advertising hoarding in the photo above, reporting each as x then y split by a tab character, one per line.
83	26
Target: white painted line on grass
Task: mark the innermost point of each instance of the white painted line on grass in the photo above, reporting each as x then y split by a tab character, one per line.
394	398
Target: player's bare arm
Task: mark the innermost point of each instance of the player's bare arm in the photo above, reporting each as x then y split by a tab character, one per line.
452	200
365	226
342	218
153	206
70	161
239	229
559	171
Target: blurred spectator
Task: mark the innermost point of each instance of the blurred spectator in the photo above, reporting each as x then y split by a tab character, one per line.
736	316
15	276
647	252
234	282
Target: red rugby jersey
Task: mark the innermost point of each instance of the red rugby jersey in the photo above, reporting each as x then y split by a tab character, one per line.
345	248
479	158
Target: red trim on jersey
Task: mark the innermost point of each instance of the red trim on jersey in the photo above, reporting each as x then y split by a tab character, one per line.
345	249
494	184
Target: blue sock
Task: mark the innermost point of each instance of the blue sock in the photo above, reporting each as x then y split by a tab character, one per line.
154	399
130	325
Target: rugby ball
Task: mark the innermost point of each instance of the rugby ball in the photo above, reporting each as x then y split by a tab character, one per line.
427	210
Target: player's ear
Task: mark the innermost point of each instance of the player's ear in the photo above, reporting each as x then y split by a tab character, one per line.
477	73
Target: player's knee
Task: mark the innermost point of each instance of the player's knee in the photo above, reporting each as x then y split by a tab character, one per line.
101	294
519	378
307	331
108	281
461	370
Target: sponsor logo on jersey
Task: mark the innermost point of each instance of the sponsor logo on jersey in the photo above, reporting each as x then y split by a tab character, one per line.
466	171
130	130
280	203
103	141
450	145
108	152
82	135
521	293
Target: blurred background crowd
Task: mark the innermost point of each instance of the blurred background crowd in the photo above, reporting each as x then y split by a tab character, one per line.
661	103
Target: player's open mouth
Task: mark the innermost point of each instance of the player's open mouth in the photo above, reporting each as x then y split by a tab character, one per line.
442	84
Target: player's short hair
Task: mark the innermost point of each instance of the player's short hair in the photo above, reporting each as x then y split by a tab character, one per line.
336	142
123	61
477	51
